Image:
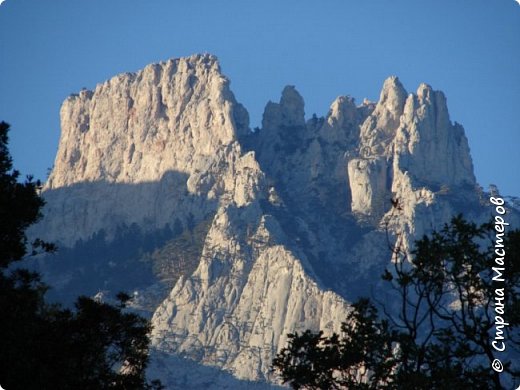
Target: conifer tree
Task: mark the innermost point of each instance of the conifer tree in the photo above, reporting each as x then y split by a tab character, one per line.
95	346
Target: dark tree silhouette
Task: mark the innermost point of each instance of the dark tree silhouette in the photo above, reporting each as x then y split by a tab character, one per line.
19	207
313	361
95	346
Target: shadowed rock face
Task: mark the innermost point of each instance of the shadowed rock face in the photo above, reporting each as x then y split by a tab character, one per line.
296	212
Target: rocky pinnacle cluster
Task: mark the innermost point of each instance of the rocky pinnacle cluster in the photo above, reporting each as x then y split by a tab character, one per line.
298	210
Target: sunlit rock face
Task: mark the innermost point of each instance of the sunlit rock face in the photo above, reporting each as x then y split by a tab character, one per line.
137	126
150	143
297	211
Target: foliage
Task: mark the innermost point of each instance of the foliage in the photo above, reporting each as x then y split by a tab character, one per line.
180	255
437	334
316	362
19	207
95	346
99	263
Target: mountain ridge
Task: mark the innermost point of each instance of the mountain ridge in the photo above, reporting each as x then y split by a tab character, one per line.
300	212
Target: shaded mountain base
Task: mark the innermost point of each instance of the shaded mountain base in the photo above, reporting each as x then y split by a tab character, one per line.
144	264
177	372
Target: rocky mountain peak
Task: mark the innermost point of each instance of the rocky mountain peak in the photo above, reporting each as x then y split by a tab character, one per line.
380	127
428	146
129	128
342	112
393	95
162	127
288	113
424	90
407	142
280	226
292	107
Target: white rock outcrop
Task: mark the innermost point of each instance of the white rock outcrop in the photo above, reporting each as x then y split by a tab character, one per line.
247	294
408	143
143	148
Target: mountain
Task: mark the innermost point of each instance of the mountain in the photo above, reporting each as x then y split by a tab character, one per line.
230	238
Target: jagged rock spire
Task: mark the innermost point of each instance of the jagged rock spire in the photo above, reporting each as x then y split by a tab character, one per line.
428	146
407	139
289	113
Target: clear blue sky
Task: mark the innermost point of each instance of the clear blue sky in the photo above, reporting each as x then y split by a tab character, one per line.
470	49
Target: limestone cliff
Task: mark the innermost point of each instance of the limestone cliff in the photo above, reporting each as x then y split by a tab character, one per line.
164	127
297	211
